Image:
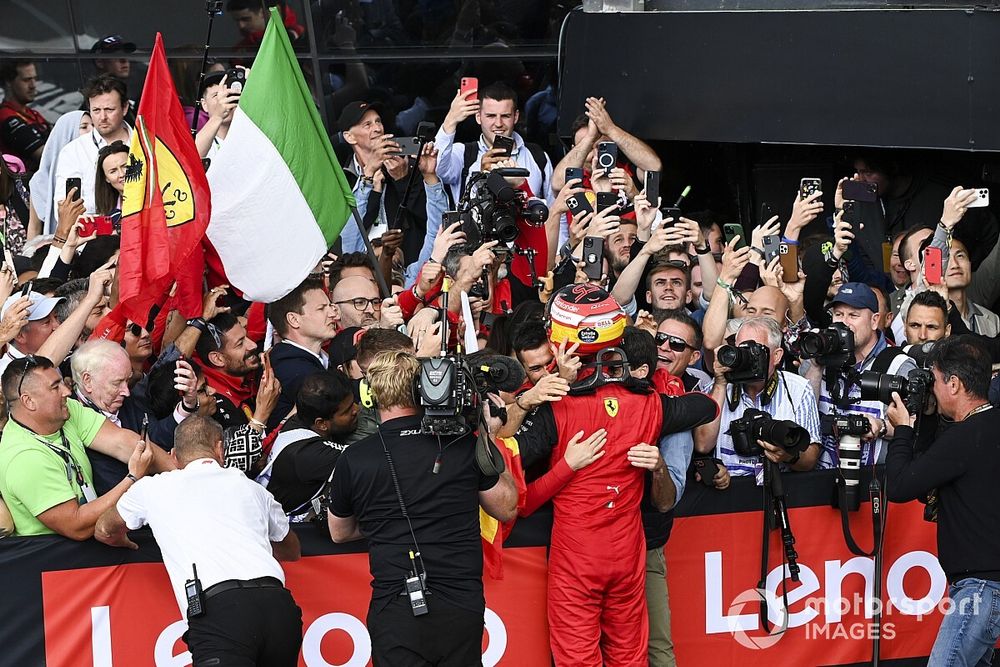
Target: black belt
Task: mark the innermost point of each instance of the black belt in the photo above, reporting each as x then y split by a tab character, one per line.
231	584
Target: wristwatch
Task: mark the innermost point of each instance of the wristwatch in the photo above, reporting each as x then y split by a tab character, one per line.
703	250
883	430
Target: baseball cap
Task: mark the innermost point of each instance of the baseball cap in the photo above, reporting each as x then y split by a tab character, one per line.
344	345
112	43
353	112
41	305
856	295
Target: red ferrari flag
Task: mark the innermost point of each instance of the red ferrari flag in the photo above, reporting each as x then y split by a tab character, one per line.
166	204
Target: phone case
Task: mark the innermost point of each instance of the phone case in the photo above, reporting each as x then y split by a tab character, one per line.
607	155
574	173
593	254
788	257
671	212
652	187
578	204
506	143
982	200
770	248
708	468
606	200
886	256
932	266
860	191
731	231
467	84
808	186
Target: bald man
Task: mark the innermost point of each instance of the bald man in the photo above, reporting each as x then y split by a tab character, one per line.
768	302
357	301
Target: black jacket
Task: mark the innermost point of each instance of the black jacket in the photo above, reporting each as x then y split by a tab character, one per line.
291	366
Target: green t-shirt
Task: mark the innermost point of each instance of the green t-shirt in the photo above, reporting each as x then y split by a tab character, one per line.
33	477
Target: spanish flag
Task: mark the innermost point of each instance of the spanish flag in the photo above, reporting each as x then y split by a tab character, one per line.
493	532
166	203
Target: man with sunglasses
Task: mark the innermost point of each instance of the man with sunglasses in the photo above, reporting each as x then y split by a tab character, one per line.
45	475
782	395
678	344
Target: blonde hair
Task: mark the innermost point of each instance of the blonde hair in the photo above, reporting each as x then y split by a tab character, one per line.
390	376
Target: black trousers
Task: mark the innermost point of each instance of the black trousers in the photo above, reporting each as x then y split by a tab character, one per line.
447	636
247	626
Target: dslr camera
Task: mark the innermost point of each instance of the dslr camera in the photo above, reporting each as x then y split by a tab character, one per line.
848	429
913	389
833	346
757	425
747	362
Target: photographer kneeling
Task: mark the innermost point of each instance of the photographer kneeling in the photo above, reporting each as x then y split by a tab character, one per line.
416	498
962	464
756	398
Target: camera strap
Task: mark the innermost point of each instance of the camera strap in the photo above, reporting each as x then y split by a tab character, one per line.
768	526
877	495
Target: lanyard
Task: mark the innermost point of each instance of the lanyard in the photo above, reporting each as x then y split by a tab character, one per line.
73	470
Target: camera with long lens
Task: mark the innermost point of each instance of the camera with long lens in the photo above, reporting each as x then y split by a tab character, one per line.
849	429
833	346
747	362
914	389
491	207
757	425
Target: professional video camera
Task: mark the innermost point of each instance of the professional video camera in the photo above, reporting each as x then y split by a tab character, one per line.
490	208
831	347
747	362
849	429
913	389
757	425
452	388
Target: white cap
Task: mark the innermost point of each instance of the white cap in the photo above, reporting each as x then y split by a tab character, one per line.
41	305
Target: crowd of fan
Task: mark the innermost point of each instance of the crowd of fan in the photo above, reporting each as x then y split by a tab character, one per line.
292	403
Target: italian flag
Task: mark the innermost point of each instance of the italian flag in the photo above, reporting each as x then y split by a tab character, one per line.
279	196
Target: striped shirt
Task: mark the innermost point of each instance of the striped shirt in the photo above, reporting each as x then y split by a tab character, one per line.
901	365
793	400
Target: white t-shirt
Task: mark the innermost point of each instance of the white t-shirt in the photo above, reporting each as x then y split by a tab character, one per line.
211	516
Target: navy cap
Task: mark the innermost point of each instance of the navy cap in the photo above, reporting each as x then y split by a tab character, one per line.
354	112
856	295
113	43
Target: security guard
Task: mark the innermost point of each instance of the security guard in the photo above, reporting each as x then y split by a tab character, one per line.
217	530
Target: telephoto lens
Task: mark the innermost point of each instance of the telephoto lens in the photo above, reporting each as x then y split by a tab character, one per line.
876	386
849	429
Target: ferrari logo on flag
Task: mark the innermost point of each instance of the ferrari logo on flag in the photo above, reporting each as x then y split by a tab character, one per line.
611	406
178	200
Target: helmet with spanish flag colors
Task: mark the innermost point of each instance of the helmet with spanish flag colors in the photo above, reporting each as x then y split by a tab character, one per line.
585	314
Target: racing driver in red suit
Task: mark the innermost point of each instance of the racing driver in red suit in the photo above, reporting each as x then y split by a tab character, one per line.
597	558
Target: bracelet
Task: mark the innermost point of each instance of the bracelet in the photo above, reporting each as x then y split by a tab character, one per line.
197	404
704	250
417	296
517	402
758	251
198	323
132	477
723	284
257	422
785	239
58	239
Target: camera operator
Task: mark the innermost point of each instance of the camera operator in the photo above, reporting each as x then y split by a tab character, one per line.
780	394
962	464
855	311
426	560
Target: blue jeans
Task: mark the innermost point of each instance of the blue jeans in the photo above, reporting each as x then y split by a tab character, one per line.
970	630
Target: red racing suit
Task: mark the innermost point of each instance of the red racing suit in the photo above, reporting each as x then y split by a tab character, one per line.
597	559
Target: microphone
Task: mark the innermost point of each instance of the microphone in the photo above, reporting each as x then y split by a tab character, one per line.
503	372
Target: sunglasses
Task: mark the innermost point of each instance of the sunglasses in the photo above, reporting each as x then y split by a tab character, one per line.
676	344
29	363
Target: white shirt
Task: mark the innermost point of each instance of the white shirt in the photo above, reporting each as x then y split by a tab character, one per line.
211	516
78	159
10	355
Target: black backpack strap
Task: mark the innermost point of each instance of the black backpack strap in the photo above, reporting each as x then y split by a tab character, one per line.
538	155
469	158
885	358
